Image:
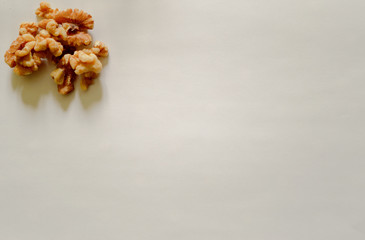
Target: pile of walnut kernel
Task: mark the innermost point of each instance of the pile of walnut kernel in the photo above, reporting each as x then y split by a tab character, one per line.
60	37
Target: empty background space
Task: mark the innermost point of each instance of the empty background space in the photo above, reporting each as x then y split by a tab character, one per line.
211	120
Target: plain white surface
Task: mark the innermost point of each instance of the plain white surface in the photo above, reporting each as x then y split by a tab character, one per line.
211	120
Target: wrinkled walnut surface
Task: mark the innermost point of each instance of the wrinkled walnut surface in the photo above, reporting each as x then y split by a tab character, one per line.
75	16
44	41
45	10
28	27
64	75
21	57
56	37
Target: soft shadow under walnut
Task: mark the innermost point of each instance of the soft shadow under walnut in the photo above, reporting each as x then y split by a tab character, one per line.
92	95
36	40
37	85
32	87
63	100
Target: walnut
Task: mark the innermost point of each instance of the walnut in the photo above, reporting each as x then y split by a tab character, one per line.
22	71
43	23
73	28
20	55
37	56
9	56
75	16
64	75
27	61
27	64
44	41
26	49
87	79
20	47
28	44
45	10
53	28
67	86
68	33
61	33
28	27
54	47
85	61
70	27
58	75
66	50
100	49
78	39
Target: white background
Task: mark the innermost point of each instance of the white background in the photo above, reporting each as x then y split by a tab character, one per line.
216	119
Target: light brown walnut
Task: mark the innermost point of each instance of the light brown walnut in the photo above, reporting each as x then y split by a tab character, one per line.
59	38
20	55
43	23
70	27
45	10
87	79
85	61
27	45
37	56
20	47
28	61
78	39
10	57
58	75
100	49
53	28
27	64
64	75
44	41
68	33
28	27
22	71
75	16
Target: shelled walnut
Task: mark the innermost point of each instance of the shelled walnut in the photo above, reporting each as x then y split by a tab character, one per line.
58	35
84	63
45	10
20	55
28	27
64	75
44	41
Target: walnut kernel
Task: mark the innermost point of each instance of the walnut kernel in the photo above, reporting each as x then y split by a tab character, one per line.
100	49
85	61
60	33
28	27
44	42
45	10
75	16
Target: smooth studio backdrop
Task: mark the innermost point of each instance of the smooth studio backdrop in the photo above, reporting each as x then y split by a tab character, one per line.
211	120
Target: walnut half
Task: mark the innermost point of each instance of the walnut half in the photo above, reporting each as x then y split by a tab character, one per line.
21	55
45	10
64	75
